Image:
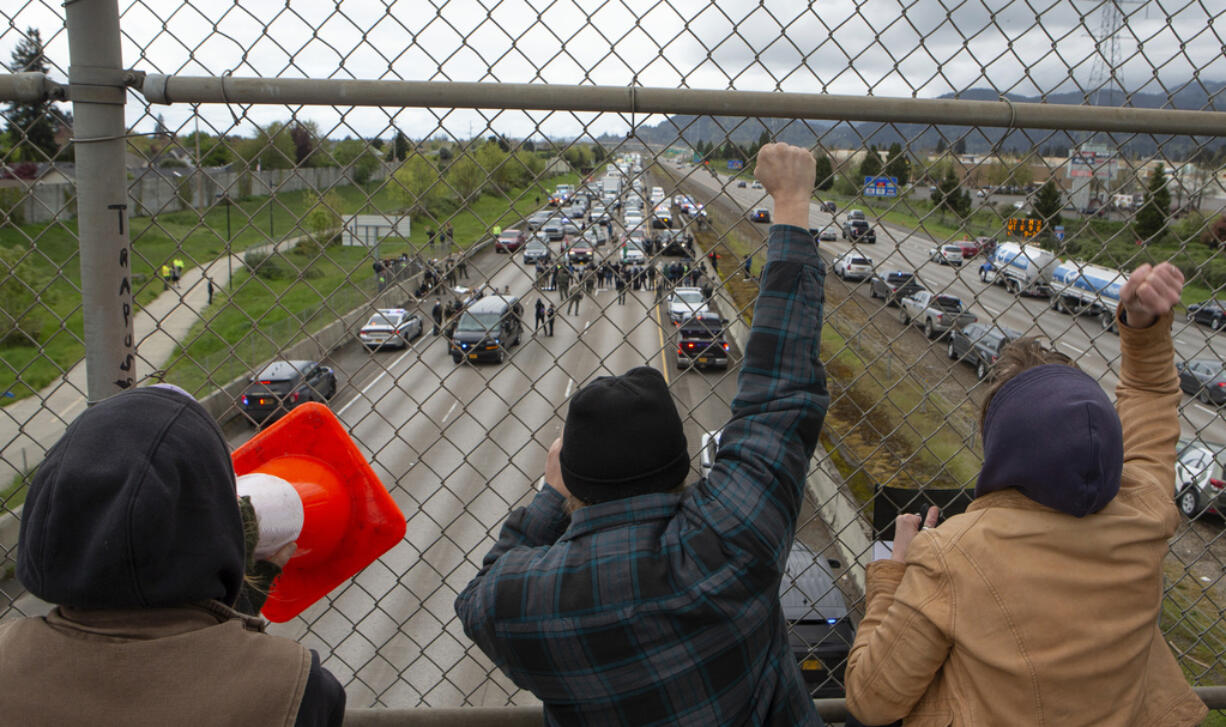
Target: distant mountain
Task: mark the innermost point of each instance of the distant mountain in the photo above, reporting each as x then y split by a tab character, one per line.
689	130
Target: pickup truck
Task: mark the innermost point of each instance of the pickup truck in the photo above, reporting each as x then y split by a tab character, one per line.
937	313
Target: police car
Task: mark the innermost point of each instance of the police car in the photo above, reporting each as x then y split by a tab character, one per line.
390	327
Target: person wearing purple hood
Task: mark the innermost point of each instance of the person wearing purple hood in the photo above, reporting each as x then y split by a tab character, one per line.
1039	605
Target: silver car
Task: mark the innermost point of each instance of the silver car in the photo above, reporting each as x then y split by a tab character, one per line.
853	265
685	303
1200	484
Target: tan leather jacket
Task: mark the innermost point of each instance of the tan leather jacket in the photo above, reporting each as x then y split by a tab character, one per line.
1017	614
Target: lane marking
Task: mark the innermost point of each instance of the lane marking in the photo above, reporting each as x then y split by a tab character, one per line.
585	325
362	394
569	385
1065	344
663	358
1210	412
453	406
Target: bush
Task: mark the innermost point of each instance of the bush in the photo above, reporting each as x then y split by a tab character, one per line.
266	266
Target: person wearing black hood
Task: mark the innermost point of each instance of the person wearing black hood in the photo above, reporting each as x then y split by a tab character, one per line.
132	528
1040	604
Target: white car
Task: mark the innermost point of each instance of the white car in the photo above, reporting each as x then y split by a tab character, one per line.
853	265
829	233
685	303
946	254
632	254
390	327
756	185
632	220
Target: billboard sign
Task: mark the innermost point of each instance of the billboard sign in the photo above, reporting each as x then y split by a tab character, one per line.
881	186
736	164
1091	160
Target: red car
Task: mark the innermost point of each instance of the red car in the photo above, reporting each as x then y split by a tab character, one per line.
970	248
510	241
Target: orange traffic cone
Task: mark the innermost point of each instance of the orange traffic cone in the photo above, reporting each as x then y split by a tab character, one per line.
310	484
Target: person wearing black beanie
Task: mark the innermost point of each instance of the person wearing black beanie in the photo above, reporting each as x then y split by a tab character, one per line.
132	528
621	596
1040	604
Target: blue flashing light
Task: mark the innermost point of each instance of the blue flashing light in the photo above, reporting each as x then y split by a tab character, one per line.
832	621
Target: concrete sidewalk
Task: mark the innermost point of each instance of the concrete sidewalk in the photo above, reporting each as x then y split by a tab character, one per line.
29	427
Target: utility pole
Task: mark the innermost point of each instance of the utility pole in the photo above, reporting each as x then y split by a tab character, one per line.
97	82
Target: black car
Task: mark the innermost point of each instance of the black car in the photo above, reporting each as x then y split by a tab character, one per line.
1212	313
702	341
674	242
894	285
283	385
830	207
979	345
820	632
1205	379
760	214
487	329
859	231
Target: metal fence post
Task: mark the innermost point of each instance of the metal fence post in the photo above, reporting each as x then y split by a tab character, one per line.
96	79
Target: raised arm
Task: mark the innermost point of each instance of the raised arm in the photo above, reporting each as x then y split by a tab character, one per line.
1147	397
753	494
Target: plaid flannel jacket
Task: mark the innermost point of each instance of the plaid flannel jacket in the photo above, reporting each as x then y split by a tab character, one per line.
664	608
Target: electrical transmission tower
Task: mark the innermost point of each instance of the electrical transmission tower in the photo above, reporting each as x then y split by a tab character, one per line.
1103	74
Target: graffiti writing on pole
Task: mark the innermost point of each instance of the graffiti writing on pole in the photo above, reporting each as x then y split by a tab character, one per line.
125	302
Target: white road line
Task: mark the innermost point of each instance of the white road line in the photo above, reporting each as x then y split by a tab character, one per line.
585	325
377	379
1210	412
1065	344
453	406
995	313
570	383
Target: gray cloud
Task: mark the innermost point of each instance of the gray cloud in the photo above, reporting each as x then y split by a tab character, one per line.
885	47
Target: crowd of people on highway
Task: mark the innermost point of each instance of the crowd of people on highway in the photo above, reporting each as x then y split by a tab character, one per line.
623	595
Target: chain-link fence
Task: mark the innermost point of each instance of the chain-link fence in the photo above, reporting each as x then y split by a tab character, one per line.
1009	163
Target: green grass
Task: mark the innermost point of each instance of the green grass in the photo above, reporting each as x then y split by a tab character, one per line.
262	317
198	238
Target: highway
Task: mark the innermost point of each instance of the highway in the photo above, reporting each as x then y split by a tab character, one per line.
459	446
1095	350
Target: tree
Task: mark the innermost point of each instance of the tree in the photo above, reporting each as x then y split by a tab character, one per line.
416	183
1047	204
400	147
941	145
270	148
213	150
493	161
871	165
898	165
960	146
304	144
24	296
31	126
529	145
1151	218
466	178
324	216
825	173
357	157
948	196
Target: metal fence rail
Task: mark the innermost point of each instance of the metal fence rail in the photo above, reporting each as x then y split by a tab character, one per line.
251	144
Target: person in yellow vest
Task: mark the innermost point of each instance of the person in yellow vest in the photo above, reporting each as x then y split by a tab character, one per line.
165	277
177	273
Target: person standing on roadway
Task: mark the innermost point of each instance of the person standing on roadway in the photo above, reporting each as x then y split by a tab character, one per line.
563	281
549	314
620	282
572	306
1040	604
134	530
540	315
621	596
436	313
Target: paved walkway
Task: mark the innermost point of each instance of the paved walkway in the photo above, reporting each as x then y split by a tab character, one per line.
29	427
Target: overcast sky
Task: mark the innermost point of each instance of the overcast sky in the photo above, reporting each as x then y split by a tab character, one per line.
921	48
